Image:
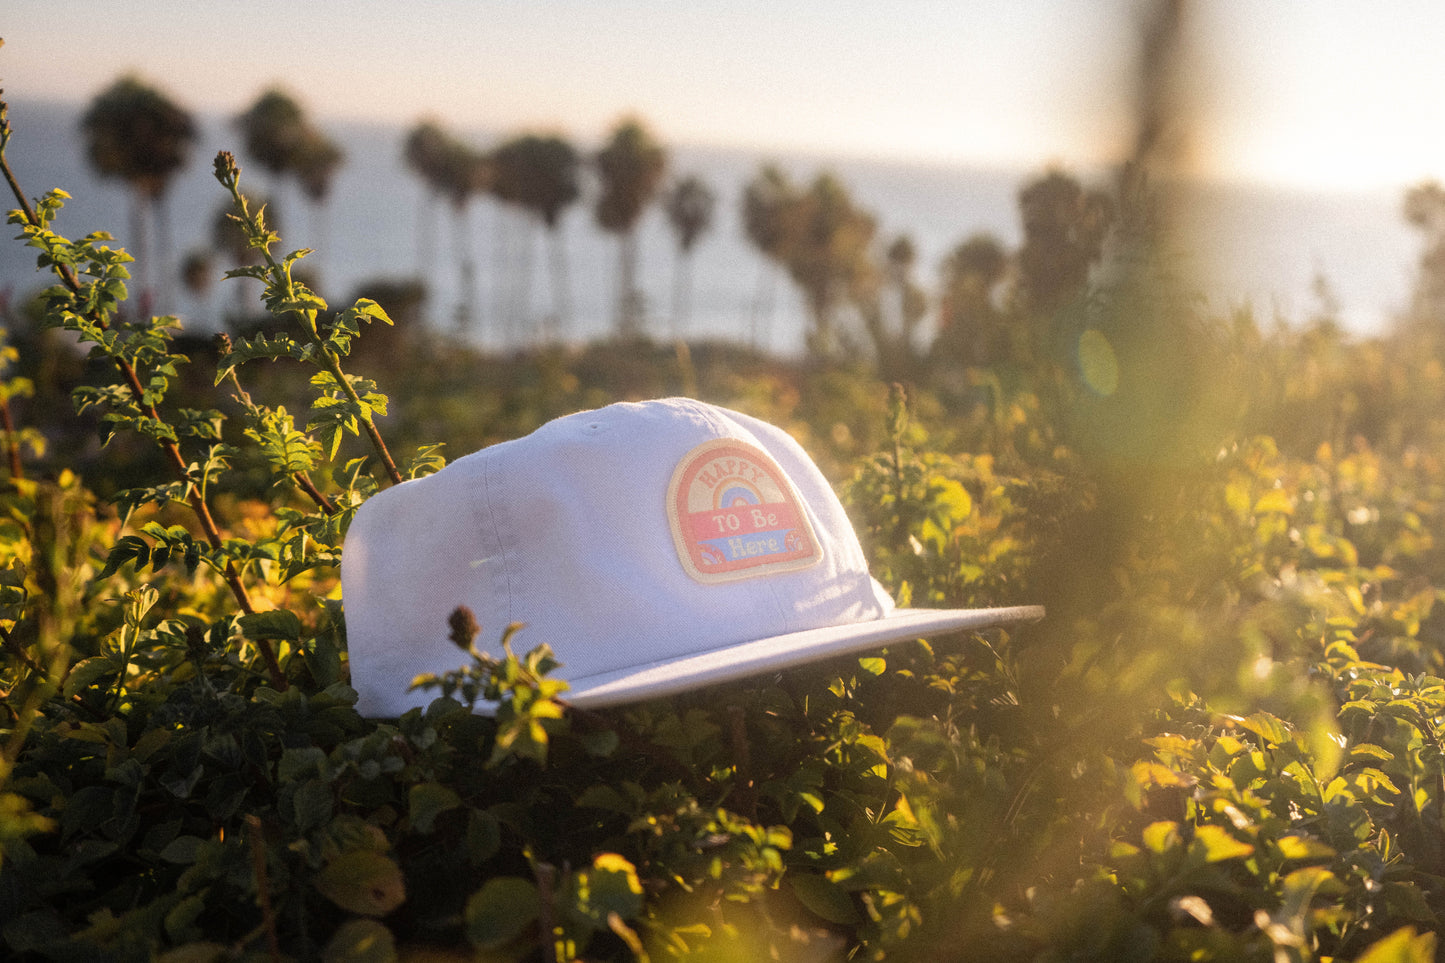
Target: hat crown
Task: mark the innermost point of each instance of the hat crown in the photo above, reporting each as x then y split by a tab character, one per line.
622	537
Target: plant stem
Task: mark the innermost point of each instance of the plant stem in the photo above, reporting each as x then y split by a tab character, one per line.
303	482
302	479
15	649
172	448
334	366
229	174
12	443
263	884
546	876
10	175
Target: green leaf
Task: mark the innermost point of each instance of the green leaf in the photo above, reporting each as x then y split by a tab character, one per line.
360	941
364	882
127	548
1215	844
1369	779
427	801
601	743
1407	900
298	763
1370	750
484	835
1274	500
87	671
501	911
88	809
824	898
1404	945
610	887
312	804
182	849
1161	837
1303	847
953	498
1272	729
873	665
603	796
275	624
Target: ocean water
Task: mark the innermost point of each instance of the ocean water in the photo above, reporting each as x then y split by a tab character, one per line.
1248	245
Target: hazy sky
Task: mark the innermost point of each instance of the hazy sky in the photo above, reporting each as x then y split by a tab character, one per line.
1313	92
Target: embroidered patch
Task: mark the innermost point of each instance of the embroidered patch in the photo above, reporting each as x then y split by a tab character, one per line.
734	515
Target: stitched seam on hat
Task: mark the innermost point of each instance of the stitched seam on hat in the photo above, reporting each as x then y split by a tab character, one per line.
708	417
496	533
785	617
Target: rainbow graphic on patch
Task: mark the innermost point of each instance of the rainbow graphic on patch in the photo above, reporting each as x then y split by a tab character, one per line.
734	515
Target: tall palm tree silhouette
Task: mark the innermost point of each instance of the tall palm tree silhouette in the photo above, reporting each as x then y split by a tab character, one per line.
828	257
541	175
631	167
424	152
972	330
279	137
452	170
136	134
317	159
769	204
689	205
274	129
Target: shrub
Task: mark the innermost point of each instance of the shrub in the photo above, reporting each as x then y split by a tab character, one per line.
1225	743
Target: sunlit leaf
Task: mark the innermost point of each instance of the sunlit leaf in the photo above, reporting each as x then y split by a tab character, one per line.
1216	844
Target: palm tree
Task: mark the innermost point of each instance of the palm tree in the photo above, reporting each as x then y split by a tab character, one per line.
542	176
1424	209
689	205
971	329
274	128
467	174
897	348
314	164
453	170
1064	227
280	139
768	201
829	255
425	151
137	134
631	168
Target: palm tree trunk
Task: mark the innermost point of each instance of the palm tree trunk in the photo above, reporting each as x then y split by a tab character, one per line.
426	229
165	269
139	208
501	273
561	295
466	315
508	281
760	317
321	230
820	305
629	307
682	294
526	263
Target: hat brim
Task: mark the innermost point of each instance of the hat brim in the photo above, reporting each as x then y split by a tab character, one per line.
672	676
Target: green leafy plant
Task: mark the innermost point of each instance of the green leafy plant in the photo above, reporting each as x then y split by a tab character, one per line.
1224	744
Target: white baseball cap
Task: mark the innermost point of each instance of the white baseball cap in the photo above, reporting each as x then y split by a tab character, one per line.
657	547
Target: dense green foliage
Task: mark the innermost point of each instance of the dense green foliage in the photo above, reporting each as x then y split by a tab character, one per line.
1225	743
